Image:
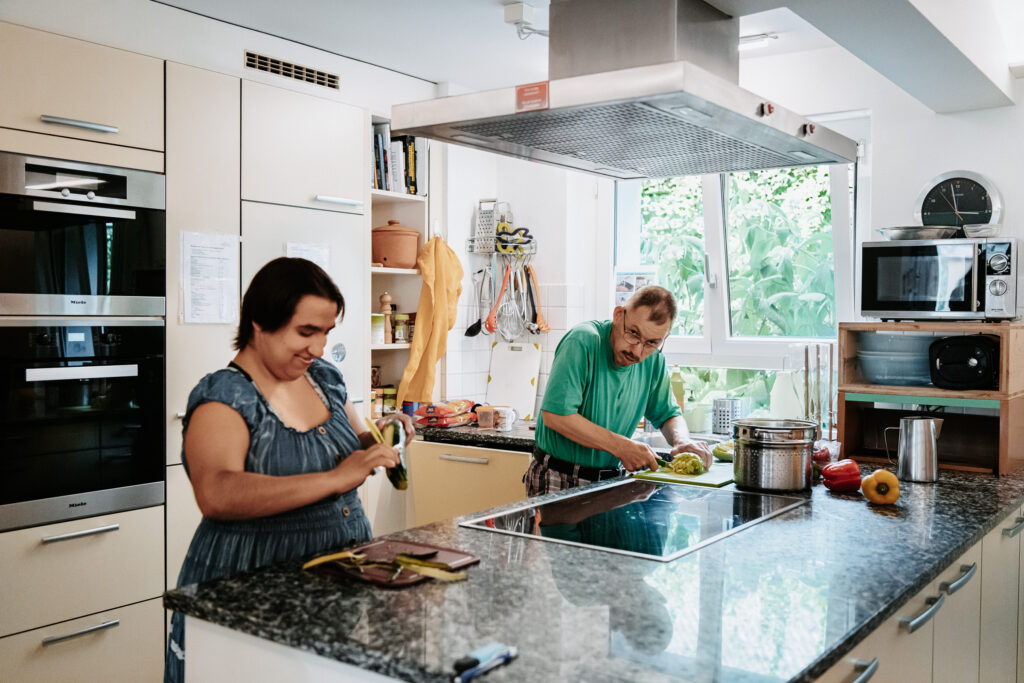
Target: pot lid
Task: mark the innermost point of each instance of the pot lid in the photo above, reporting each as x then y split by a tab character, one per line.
396	227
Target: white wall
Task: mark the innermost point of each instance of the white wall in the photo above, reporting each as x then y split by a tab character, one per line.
911	144
568	213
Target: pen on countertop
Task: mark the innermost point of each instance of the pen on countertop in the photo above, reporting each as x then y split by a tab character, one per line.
485	666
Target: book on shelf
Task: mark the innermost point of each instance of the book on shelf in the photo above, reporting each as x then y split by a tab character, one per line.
397	168
381	143
422	147
399	162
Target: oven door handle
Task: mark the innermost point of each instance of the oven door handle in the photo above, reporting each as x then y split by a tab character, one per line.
79	210
80	372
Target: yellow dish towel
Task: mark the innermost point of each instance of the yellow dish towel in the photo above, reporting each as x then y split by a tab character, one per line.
435	317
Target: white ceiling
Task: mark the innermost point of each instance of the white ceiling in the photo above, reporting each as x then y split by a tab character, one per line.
465	43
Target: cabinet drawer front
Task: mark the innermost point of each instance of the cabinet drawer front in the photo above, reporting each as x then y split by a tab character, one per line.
301	150
125	644
81	83
84	566
447	481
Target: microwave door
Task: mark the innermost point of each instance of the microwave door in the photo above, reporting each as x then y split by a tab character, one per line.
919	280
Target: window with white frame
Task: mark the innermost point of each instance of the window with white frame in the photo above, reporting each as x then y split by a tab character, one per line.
760	262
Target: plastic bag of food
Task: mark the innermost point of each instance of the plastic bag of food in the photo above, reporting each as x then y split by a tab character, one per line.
448	409
447	420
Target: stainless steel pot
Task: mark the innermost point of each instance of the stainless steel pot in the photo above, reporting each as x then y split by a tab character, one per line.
773	455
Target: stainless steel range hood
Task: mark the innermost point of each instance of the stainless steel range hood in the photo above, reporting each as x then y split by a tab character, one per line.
639	89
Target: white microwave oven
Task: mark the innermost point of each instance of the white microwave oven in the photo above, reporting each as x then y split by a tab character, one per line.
946	279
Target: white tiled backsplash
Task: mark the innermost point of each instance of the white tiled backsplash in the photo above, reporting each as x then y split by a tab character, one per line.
468	358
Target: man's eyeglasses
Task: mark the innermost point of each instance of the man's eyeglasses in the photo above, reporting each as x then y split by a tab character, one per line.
633	338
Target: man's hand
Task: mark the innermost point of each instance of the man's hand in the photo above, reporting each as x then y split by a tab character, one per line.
637	456
698	448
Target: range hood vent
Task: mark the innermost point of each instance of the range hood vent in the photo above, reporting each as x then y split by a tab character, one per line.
670	108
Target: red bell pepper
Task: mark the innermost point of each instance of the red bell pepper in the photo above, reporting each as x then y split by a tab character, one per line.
841	476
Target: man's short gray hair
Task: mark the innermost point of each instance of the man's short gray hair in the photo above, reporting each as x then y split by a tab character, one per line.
658	299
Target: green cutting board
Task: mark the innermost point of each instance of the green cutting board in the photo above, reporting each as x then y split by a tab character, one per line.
720	474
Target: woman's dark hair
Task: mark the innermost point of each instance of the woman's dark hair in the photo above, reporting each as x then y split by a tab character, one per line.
275	291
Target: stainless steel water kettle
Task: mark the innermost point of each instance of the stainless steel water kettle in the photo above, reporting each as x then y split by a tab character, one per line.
917	454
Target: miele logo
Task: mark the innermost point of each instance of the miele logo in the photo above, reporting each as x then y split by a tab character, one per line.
77	505
79	301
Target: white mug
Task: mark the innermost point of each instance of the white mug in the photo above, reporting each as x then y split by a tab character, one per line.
503	418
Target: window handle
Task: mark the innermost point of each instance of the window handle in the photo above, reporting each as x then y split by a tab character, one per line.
711	278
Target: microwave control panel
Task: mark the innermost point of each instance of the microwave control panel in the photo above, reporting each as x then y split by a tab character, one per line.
1000	294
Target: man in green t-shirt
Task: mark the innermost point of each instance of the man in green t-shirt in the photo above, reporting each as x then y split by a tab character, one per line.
606	375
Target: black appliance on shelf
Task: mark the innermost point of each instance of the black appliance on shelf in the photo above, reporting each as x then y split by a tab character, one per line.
965	362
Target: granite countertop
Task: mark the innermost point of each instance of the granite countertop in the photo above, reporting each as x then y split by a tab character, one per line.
520	438
781	600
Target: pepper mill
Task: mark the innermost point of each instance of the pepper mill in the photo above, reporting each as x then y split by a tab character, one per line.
385	308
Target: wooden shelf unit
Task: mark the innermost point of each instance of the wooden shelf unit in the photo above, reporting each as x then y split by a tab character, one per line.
981	440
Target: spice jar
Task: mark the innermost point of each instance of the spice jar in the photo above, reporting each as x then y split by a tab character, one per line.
401	328
390	395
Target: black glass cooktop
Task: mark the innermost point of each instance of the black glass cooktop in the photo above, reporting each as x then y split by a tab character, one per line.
654	520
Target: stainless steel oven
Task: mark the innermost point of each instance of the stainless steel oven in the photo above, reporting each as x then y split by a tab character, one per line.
82	426
82	340
80	239
950	279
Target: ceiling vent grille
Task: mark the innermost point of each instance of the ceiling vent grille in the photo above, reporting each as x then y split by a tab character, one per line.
254	60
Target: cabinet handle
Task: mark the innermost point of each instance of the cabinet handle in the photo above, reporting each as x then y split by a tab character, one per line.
1016	529
84	632
80	534
80	372
460	458
61	121
912	624
338	200
967	572
180	415
865	669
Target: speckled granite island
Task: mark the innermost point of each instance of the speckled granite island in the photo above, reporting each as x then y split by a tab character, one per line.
781	600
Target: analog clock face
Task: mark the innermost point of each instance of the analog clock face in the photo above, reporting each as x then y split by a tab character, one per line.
955	201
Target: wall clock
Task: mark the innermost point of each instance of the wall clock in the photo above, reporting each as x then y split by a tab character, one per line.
958	197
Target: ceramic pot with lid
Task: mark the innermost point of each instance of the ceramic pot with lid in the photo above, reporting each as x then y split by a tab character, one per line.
395	245
773	455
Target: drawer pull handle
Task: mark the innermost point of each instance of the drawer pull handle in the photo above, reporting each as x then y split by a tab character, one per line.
84	632
967	572
89	125
912	624
338	200
80	534
1016	529
461	458
180	415
866	670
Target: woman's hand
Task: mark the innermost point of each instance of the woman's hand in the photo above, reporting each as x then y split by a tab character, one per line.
361	464
407	423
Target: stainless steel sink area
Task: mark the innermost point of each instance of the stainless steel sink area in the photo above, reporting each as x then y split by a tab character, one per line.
657	441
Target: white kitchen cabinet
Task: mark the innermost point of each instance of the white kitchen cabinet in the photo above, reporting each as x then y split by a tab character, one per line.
302	150
123	644
1000	583
266	230
448	480
183	517
897	654
1020	608
957	625
203	153
75	89
63	571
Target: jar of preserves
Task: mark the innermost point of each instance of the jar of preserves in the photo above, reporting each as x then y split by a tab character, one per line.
401	328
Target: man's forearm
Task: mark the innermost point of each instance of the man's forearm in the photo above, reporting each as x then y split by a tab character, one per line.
675	430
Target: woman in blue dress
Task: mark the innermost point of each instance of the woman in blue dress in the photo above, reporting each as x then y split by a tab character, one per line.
272	446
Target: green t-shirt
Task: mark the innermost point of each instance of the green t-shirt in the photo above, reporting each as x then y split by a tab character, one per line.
584	379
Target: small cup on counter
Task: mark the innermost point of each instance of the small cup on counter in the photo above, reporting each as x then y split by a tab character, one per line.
504	417
485	417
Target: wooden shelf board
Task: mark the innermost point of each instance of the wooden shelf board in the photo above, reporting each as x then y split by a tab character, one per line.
388	347
958	326
876	460
382	270
388	194
921	395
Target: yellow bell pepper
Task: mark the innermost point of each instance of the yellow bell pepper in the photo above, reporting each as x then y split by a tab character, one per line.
881	487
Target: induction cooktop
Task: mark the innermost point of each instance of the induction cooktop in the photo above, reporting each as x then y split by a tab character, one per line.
648	519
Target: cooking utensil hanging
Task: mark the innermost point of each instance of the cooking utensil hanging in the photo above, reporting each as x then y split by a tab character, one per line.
492	318
542	324
478	285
